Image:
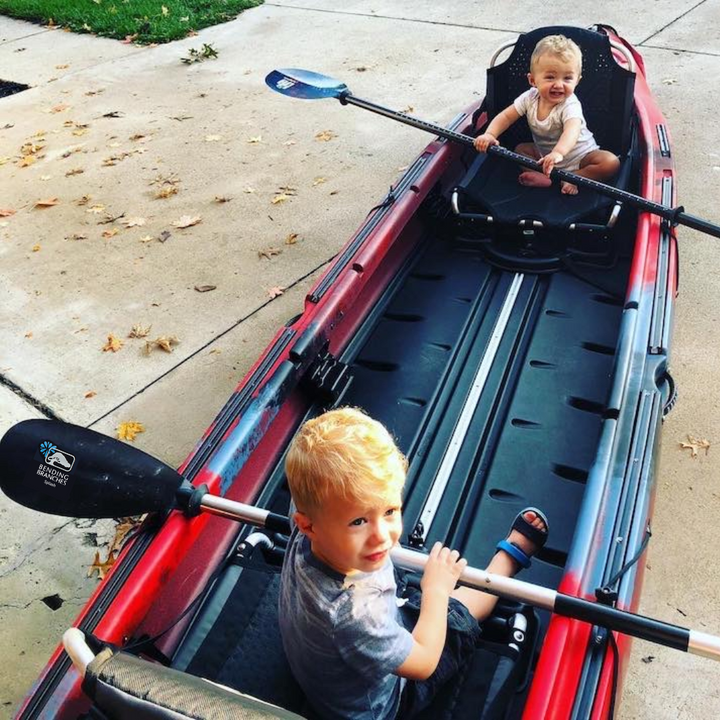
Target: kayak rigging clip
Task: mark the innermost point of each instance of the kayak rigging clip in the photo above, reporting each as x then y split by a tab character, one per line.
606	594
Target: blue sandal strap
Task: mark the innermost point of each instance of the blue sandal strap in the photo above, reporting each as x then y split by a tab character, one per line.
515	553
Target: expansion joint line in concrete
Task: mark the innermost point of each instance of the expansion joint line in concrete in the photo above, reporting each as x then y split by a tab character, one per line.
674	20
29	399
206	345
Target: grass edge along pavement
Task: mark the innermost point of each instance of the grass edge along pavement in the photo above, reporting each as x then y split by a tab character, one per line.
140	21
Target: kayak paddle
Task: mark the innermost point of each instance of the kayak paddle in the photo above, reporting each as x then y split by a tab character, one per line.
310	85
64	469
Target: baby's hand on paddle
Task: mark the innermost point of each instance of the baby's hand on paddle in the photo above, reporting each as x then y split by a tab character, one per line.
484	141
442	570
550	160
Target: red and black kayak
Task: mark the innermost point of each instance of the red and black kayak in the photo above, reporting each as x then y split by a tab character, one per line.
516	343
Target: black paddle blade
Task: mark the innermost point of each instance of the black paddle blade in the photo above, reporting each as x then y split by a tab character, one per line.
64	469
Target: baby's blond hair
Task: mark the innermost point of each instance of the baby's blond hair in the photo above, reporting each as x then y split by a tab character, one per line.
559	46
344	453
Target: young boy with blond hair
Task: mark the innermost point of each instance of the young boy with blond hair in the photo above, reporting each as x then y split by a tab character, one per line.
355	649
554	114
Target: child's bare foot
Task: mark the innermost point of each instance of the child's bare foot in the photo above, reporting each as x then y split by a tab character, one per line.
532	178
528	534
567	188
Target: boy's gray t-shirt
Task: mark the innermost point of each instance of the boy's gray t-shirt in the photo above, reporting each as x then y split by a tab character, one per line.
343	636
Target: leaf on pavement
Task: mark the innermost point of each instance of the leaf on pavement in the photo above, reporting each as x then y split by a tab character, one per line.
187	221
129	430
291	239
325	135
113	344
319	181
205	288
164	342
165	192
6	213
694	444
276	291
102	567
280	198
90	394
48	202
255	140
112	232
74	171
139	331
269	252
133	222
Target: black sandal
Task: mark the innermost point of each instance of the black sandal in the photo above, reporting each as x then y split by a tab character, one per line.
536	536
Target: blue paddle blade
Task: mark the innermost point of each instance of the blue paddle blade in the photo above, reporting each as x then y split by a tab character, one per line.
305	84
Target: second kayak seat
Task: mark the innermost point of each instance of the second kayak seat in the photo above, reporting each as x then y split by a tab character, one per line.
490	196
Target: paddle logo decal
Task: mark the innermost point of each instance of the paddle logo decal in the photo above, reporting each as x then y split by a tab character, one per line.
285	84
57	464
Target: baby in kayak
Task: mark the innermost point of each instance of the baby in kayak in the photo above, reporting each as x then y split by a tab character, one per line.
554	114
355	648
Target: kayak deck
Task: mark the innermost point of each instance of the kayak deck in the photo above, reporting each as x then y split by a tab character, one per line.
491	380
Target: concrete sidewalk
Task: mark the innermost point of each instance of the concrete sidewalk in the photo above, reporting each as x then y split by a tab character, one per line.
119	124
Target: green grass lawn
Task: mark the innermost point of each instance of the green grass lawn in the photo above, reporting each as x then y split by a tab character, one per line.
150	21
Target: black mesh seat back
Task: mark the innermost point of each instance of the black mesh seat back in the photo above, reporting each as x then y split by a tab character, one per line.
606	90
127	688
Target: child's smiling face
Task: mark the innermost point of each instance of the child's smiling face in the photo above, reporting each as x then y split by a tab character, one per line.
350	536
554	78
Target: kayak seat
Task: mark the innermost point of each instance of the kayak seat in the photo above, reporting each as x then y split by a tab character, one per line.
490	194
235	642
124	687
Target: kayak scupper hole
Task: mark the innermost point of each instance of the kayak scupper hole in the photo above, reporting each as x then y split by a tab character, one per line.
598	348
504	495
558	558
377	365
567	472
440	346
586	405
542	365
607	299
526	424
557	313
404	317
434	277
415	402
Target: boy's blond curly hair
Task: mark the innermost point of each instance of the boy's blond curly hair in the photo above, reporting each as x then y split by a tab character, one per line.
560	46
344	453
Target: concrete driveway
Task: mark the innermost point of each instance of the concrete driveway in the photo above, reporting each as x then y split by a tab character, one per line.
127	143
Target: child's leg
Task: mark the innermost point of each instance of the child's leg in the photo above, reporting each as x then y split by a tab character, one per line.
531	178
481	604
596	165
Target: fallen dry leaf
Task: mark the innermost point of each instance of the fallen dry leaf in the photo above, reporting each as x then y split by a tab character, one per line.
279	198
128	39
58	108
255	140
90	394
164	342
62	67
36	248
112	232
76	236
7	213
49	202
274	292
113	344
291	239
269	252
129	430
74	171
95	209
222	199
102	567
694	444
27	161
205	288
147	239
137	136
187	221
139	331
133	222
319	181
249	190
165	192
164	235
325	135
